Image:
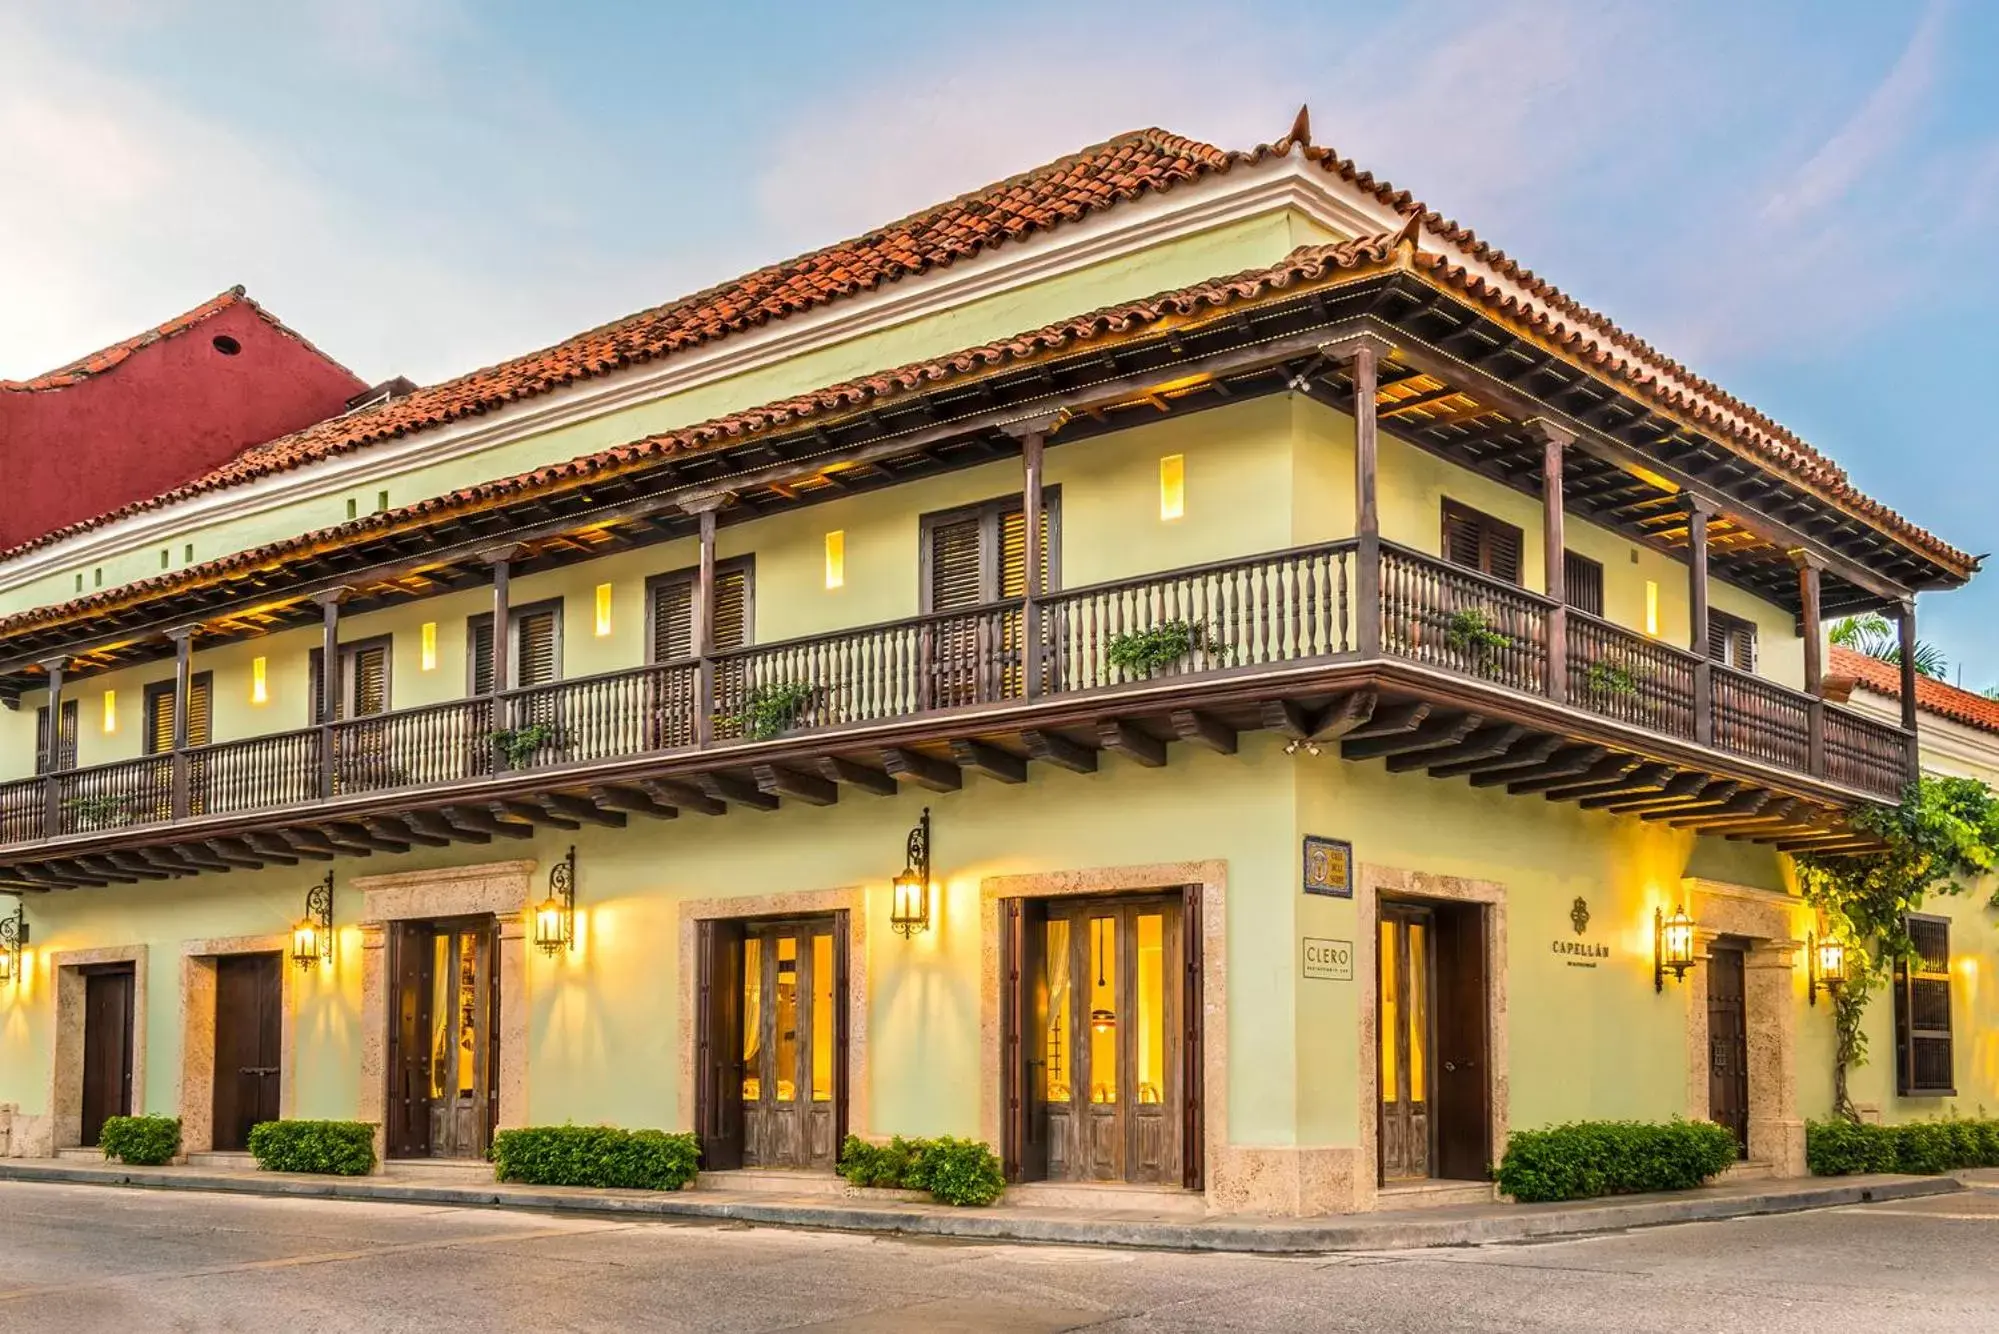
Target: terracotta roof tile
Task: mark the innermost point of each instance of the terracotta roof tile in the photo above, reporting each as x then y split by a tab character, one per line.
104	359
1932	696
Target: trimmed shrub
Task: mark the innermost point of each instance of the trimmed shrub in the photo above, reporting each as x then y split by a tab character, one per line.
1589	1158
334	1148
954	1171
140	1141
1838	1147
603	1157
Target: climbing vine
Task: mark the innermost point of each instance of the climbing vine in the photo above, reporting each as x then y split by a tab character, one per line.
1944	833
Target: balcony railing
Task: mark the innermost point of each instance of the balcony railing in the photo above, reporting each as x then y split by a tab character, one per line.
1290	607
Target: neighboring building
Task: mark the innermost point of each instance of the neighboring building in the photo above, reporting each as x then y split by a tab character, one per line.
1933	1039
1143	615
156	411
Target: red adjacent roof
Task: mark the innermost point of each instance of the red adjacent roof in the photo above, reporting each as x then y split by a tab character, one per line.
1132	165
1932	696
109	358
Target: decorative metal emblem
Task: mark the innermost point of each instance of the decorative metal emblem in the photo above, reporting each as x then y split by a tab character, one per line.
1579	915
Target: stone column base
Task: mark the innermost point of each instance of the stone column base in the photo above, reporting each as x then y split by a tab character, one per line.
1779	1142
1289	1181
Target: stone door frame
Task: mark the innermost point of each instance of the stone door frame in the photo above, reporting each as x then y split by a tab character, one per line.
501	890
1767	920
197	1031
66	1073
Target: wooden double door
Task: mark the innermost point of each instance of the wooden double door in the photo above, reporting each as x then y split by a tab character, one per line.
1103	1039
249	1002
107	1047
772	1042
444	1039
1432	1023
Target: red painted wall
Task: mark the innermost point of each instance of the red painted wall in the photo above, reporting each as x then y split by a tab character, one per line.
166	414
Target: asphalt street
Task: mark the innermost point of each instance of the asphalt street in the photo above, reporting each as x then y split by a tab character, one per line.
83	1258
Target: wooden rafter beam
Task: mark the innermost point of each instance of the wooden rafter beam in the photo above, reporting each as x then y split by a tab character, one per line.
1132	742
778	780
1058	750
924	771
994	763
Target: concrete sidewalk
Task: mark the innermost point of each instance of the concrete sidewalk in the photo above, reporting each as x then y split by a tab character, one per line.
1383	1231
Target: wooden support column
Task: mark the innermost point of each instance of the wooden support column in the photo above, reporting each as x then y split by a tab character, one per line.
329	682
183	641
1808	626
704	628
1365	369
1905	618
1031	448
1699	510
1554	446
52	742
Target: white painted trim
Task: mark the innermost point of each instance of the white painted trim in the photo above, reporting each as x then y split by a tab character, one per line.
1286	183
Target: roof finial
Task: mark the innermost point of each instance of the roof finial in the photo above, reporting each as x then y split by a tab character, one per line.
1301	128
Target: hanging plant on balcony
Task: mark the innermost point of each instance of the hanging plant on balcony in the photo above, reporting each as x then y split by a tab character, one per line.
517	745
96	812
771	710
1472	633
1609	679
1148	652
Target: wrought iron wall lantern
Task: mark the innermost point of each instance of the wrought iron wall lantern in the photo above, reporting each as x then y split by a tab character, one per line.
910	911
312	938
1825	959
13	940
555	919
1672	946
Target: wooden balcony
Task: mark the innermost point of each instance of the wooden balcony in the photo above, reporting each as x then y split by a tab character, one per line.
1446	671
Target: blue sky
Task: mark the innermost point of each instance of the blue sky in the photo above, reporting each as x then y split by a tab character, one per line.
1796	199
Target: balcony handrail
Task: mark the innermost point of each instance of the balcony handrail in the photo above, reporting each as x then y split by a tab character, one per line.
1195	571
1687	657
1456	571
873	628
614	673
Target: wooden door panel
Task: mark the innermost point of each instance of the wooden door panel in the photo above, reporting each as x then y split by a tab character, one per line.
1460	1074
107	1050
1728	1044
248	1058
411	965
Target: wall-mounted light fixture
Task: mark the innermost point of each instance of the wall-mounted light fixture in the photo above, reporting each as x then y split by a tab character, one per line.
1172	486
603	610
1825	959
13	940
836	558
1672	946
312	938
428	638
555	919
260	681
910	911
110	712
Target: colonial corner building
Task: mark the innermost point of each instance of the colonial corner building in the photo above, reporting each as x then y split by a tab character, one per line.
1183	664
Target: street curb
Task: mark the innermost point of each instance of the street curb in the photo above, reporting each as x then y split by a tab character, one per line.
1403	1231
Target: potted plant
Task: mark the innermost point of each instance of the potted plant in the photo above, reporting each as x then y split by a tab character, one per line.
1470	631
1150	651
518	745
772	709
100	811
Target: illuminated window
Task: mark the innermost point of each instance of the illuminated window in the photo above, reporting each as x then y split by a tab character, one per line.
603	609
110	711
1651	606
1172	486
836	558
260	687
429	637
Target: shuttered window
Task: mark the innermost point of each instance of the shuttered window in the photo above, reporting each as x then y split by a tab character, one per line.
979	554
66	749
159	738
670	600
1924	1058
364	679
1731	640
1582	581
1480	542
537	647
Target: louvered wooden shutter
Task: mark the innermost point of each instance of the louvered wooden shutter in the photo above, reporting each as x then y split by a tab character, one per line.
316	685
479	650
672	620
159	719
1582	581
956	565
537	647
1731	640
66	744
1480	542
1461	537
732	608
1925	1064
368	680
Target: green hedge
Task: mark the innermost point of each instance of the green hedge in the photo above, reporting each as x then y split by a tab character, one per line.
600	1156
954	1171
140	1141
334	1148
1590	1158
1838	1147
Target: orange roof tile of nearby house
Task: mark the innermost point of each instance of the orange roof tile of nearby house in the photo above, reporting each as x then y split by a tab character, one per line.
1143	162
1932	696
109	358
